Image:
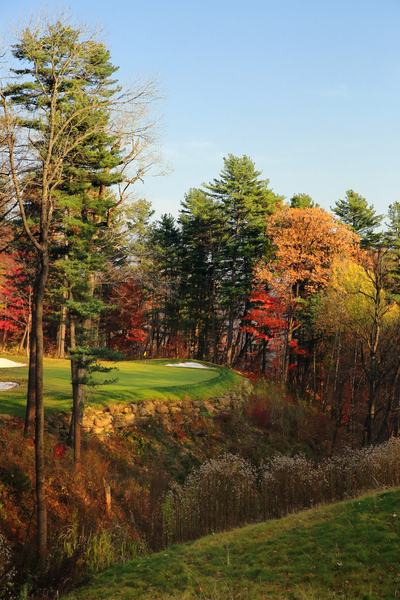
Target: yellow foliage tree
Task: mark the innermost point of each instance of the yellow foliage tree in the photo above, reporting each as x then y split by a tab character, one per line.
356	302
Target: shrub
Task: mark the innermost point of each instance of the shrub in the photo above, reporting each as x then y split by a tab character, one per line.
229	492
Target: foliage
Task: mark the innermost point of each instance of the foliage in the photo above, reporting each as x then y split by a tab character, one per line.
354	291
361	218
302	201
208	260
307	241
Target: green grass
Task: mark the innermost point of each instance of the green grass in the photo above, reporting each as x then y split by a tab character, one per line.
137	381
348	550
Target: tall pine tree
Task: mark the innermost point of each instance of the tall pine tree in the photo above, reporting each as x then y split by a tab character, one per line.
245	201
361	218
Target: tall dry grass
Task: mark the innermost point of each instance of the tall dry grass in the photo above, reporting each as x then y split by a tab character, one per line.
229	492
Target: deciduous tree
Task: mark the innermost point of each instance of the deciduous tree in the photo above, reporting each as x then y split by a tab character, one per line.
306	242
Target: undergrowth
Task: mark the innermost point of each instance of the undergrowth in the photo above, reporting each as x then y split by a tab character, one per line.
142	465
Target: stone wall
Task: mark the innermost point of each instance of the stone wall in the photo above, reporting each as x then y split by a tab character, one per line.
118	416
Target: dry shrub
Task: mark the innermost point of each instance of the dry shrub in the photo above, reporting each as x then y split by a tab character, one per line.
229	491
289	421
219	495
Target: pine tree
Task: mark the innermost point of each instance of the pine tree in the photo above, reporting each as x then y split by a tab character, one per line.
46	105
165	238
392	243
302	201
202	226
245	201
361	218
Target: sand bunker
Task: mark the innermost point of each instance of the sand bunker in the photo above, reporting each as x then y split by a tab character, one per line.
190	365
7	385
6	364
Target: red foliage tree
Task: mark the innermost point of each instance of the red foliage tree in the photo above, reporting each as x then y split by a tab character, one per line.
14	301
269	326
126	322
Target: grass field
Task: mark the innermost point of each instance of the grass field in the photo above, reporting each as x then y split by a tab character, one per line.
137	381
348	550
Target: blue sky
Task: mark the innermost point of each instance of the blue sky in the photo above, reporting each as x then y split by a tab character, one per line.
310	90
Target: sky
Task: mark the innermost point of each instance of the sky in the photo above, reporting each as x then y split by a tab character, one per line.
308	89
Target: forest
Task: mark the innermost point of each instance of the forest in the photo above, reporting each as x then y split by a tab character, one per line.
280	290
301	300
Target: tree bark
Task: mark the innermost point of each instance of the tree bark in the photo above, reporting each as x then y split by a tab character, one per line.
31	395
62	329
39	425
76	417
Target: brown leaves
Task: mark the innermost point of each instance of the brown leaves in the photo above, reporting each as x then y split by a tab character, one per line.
306	241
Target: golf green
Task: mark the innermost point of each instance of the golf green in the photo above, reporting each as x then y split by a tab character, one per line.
135	381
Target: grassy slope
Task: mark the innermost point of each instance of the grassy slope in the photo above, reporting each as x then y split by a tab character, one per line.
136	381
349	550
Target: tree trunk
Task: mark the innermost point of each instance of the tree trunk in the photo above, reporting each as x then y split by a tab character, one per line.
286	352
39	425
62	328
329	374
31	395
76	417
335	403
230	338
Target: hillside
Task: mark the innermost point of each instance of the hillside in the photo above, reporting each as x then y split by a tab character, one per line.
348	550
141	463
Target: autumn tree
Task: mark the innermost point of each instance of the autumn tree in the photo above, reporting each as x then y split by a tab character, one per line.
306	243
368	318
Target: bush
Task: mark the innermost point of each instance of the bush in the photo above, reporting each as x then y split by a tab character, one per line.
229	492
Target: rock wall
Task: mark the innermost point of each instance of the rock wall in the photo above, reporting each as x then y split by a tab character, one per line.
118	416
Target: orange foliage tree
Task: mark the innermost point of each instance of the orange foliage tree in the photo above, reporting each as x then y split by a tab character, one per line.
306	243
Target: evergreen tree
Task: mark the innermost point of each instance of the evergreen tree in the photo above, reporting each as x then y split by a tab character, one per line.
302	201
392	242
165	238
202	225
361	218
392	235
245	201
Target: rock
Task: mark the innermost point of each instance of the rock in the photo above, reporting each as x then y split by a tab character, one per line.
224	401
102	421
162	409
143	412
96	430
124	421
5	417
115	409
